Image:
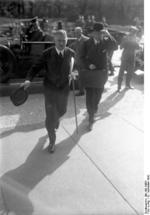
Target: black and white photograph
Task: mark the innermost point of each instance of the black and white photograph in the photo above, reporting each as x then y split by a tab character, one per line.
74	107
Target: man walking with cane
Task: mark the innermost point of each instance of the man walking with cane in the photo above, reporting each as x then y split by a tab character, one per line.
58	62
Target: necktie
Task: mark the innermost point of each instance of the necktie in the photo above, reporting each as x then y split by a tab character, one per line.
60	55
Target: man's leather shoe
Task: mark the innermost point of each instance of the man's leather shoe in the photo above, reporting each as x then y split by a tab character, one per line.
129	87
51	148
52	138
57	124
111	74
119	89
90	126
79	94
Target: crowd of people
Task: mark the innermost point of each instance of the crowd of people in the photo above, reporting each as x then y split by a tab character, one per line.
91	55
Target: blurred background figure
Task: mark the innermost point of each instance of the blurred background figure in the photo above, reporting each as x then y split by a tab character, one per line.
110	64
77	47
37	32
137	22
44	25
104	21
93	19
34	32
80	22
89	23
129	45
110	52
59	25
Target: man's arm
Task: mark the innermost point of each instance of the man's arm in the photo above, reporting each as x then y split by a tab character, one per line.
122	42
85	60
110	41
33	72
36	68
83	55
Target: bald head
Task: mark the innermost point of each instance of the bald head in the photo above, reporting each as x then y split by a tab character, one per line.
78	32
60	33
60	39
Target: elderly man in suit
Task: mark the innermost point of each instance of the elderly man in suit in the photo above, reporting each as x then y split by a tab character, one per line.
58	62
77	46
94	58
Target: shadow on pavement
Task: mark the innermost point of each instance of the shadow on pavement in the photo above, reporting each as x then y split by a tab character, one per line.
136	82
17	184
22	128
108	103
27	122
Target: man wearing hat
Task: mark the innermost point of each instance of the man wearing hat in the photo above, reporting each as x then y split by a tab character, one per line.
94	66
58	63
129	45
34	32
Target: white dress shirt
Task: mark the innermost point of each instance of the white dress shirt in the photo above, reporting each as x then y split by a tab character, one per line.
58	51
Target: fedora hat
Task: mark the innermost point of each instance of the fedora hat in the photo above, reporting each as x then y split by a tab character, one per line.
97	26
19	96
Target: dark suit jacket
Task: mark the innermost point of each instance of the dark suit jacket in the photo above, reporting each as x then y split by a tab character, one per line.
56	68
96	53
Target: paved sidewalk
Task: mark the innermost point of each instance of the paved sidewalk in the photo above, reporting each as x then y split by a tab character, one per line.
93	173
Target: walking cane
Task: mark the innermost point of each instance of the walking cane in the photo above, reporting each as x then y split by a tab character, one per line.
74	98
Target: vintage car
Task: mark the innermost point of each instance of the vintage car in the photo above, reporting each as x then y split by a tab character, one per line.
19	53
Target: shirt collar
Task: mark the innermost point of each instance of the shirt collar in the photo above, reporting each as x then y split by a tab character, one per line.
79	38
58	51
96	41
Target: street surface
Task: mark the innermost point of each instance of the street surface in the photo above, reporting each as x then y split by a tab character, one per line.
93	173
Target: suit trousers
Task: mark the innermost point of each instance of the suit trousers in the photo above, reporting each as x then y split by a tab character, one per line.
126	65
55	107
93	96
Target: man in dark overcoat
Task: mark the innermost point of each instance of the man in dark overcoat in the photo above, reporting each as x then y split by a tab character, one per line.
57	62
95	66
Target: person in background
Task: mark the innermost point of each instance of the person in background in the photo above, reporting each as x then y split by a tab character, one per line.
58	62
34	32
93	19
77	46
59	25
104	21
110	64
80	22
129	45
89	23
44	24
111	52
94	63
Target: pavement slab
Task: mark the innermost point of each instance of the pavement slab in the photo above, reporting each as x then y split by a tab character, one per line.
35	182
96	173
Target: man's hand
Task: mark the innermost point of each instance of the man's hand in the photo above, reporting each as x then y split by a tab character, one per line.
26	84
72	76
92	66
